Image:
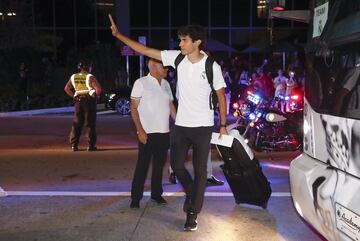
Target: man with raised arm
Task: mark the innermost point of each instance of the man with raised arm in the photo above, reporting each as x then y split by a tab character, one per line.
195	117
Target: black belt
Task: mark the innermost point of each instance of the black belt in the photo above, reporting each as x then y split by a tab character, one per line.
82	97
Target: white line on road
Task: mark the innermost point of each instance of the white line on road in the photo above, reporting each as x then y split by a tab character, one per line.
123	194
105	112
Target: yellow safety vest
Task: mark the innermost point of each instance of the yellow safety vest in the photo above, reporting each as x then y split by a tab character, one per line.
80	81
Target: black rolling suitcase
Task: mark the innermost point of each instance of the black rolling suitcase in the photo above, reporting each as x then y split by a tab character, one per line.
243	173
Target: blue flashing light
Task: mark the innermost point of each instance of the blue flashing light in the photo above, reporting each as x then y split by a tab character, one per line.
252	116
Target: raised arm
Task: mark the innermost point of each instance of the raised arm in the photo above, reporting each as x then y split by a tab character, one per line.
138	47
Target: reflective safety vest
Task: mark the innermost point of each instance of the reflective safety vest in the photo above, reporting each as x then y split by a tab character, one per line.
81	83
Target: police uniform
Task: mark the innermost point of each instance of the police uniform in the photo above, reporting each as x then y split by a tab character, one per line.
85	110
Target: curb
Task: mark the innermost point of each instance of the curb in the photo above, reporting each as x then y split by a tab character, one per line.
58	110
38	112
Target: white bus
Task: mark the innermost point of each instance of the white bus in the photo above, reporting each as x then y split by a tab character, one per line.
325	179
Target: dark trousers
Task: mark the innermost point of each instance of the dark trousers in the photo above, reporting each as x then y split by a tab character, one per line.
84	115
156	149
182	138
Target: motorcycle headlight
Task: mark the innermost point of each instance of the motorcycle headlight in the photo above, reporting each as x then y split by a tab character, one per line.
273	117
111	96
252	116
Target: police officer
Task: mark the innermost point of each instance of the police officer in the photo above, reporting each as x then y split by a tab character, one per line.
84	88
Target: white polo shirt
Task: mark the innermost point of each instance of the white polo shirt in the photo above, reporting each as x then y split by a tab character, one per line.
193	90
154	106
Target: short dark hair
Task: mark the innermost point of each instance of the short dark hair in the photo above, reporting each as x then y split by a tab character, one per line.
194	31
84	64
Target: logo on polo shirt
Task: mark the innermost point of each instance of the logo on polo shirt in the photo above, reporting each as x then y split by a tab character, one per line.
203	75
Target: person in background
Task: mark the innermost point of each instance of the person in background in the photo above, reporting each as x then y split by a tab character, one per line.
280	89
263	84
291	83
280	83
211	179
228	82
243	82
151	105
23	84
83	87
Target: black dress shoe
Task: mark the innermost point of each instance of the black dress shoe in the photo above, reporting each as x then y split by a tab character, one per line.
214	182
74	148
159	200
92	148
172	178
135	204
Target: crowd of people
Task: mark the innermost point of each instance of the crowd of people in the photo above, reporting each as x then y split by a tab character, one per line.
267	81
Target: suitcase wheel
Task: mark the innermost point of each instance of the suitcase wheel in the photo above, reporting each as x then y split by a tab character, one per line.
264	206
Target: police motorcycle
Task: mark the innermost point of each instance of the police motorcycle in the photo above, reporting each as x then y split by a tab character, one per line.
289	104
244	109
265	128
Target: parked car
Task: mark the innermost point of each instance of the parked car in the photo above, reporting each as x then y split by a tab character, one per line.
119	100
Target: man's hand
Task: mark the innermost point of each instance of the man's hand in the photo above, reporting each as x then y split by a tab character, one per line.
142	136
138	47
113	27
222	131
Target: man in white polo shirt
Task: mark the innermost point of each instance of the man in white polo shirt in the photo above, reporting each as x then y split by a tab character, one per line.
195	119
151	105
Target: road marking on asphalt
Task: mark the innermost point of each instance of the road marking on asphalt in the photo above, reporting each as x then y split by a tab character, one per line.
123	194
105	112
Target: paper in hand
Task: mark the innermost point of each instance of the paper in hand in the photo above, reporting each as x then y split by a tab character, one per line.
225	140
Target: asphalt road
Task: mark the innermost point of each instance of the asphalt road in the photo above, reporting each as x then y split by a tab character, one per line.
55	194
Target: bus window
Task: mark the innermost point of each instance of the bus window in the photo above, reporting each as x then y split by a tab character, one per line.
334	89
333	64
